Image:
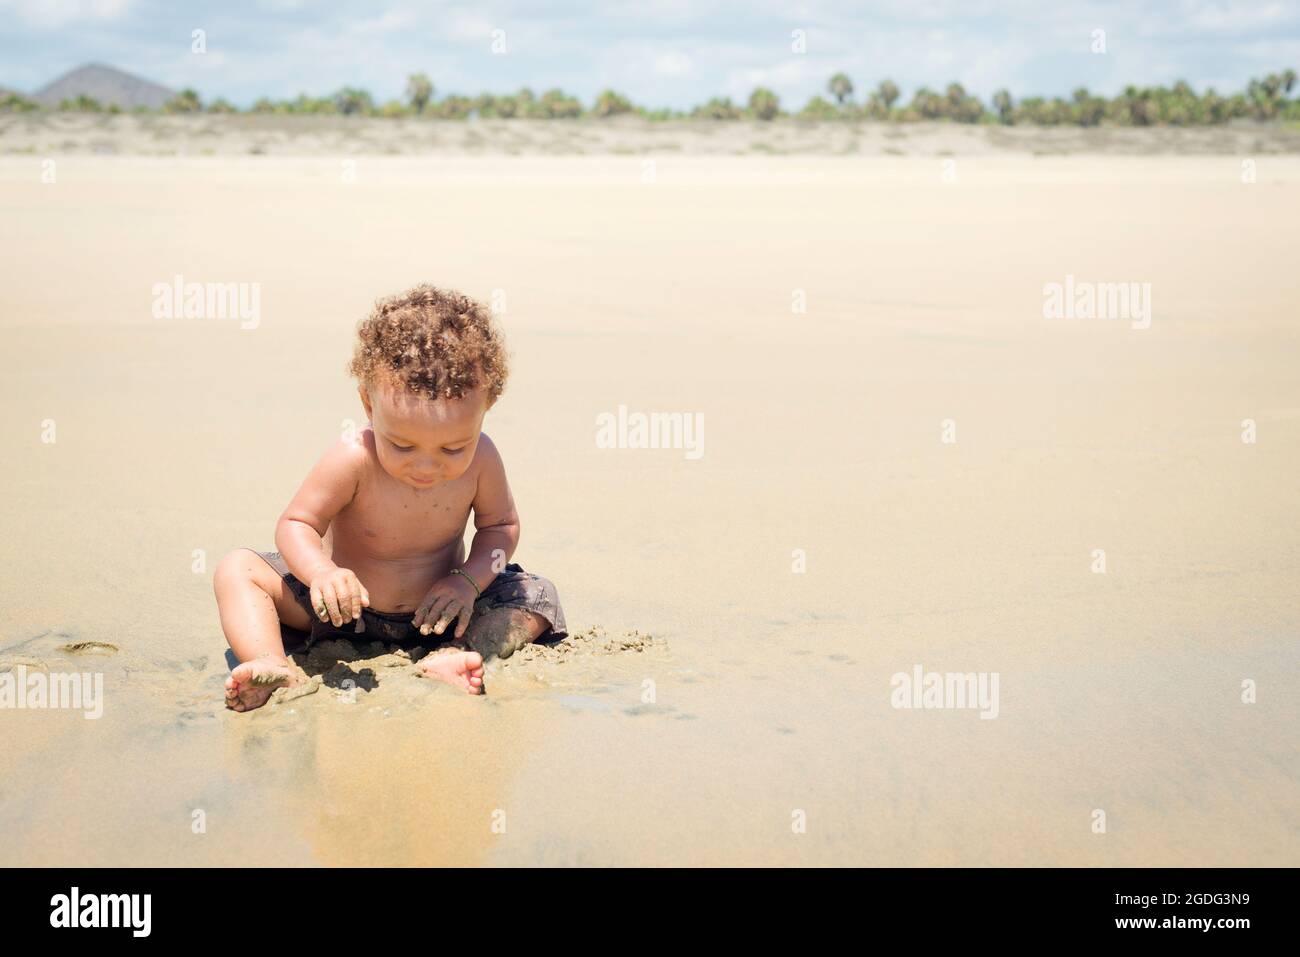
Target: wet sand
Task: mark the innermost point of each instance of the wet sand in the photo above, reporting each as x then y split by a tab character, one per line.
764	698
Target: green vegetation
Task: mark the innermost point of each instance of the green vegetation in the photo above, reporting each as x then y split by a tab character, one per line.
764	105
16	103
1268	99
419	91
186	101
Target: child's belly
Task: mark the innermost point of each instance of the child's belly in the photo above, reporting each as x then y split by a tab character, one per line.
398	583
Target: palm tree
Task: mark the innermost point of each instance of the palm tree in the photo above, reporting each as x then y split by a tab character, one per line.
888	93
840	87
186	101
350	100
763	104
960	106
928	105
505	107
819	109
718	108
556	105
610	103
1002	103
454	107
419	90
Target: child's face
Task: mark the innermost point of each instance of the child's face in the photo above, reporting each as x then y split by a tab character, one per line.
423	442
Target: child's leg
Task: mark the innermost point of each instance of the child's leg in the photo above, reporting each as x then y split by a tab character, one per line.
252	600
498	632
502	631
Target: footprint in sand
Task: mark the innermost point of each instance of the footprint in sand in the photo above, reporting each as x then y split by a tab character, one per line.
90	648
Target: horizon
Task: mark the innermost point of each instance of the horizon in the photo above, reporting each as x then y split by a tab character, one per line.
675	56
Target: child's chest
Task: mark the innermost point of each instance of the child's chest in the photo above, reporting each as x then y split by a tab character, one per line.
398	520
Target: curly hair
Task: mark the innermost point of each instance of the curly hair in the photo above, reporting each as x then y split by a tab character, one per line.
433	342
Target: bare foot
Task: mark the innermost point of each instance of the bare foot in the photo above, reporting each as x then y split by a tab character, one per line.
251	683
455	666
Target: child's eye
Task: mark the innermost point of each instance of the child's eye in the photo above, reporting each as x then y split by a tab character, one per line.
400	448
454	451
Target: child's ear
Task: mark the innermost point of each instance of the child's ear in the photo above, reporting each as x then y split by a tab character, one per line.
365	400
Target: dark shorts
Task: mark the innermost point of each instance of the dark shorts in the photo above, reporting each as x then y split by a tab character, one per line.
513	588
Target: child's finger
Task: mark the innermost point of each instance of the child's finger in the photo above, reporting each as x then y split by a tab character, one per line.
320	604
365	595
317	602
447	616
427	622
421	620
332	604
354	600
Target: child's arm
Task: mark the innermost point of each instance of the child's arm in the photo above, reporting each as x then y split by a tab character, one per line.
336	594
496	523
496	535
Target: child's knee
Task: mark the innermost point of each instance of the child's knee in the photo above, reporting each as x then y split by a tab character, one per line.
235	569
501	631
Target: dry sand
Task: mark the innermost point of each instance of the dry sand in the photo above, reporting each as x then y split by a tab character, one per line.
669	288
64	134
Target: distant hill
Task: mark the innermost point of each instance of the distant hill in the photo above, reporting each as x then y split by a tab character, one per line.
106	84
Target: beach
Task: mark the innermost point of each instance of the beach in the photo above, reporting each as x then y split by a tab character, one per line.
903	465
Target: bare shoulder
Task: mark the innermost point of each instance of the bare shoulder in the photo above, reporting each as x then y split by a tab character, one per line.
347	460
487	457
356	451
331	485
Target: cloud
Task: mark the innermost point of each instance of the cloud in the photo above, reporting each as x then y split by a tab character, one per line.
52	14
672	64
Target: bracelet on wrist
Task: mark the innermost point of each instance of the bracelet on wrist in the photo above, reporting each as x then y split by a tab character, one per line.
478	592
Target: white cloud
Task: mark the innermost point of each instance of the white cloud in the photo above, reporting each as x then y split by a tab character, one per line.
673	63
51	14
792	72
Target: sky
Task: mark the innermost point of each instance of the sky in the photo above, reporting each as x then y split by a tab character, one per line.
661	53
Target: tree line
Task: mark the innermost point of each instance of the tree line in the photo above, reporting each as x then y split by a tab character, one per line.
1264	99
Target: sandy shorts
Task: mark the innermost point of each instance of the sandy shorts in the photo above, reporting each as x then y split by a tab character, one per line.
513	588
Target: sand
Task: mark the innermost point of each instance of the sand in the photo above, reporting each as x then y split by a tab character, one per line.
64	134
749	718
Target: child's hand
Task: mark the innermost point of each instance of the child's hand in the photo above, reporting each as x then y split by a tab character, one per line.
451	599
337	596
